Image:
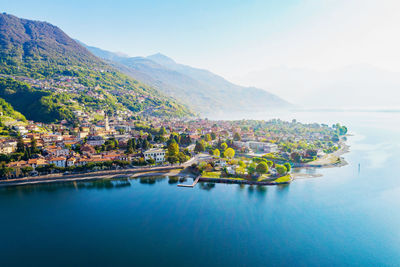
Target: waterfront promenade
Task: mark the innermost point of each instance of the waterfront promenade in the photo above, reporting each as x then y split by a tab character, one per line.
86	176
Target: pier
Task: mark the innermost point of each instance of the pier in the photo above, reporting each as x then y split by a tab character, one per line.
191	185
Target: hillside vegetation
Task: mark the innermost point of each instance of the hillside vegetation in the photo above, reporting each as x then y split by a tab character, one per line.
47	76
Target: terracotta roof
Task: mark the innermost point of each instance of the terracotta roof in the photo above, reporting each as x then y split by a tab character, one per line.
57	159
17	164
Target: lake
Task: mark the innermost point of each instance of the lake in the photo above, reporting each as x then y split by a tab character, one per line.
349	216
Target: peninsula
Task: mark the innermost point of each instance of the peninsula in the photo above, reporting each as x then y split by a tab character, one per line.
110	145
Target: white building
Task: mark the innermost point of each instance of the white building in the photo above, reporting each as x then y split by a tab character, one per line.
155	153
21	129
8	147
257	146
59	161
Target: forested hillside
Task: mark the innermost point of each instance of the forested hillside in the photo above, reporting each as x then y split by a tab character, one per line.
47	76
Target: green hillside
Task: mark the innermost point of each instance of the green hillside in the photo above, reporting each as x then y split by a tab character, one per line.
46	76
7	110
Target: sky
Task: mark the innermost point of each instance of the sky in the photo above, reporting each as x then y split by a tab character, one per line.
233	38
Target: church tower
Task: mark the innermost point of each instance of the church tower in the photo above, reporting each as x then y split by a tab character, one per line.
106	124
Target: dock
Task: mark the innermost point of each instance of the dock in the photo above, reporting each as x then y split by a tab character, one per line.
191	185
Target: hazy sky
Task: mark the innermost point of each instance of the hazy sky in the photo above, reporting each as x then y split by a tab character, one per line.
232	37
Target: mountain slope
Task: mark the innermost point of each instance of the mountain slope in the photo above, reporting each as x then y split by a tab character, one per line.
201	89
68	76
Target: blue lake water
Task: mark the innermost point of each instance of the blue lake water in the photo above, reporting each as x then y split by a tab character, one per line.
346	217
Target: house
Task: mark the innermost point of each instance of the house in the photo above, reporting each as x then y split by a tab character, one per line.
220	163
231	169
58	161
71	161
262	146
21	129
155	153
37	162
95	140
8	147
58	151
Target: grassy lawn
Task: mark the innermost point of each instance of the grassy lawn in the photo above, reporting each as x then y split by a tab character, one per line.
211	174
263	177
283	179
218	175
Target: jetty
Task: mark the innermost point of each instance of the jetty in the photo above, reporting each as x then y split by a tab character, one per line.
191	185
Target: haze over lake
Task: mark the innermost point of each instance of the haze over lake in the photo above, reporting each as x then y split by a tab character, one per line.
347	217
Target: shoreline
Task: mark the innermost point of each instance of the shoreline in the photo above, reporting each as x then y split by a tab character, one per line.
235	181
328	161
332	160
110	174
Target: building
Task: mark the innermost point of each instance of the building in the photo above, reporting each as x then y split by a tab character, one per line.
8	147
106	124
21	129
71	162
58	151
155	153
95	140
58	161
37	162
257	146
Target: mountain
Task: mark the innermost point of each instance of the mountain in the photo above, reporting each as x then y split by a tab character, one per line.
359	86
200	89
42	67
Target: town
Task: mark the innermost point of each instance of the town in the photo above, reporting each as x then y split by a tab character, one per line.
237	150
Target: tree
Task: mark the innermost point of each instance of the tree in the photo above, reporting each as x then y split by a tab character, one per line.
312	152
182	157
151	161
20	145
262	167
216	152
224	146
288	166
130	146
237	137
173	149
26	170
269	163
162	131
173	159
281	169
149	137
213	136
139	143
242	164
6	171
251	168
199	147
229	153
159	139
185	140
145	144
34	148
343	130
296	157
207	137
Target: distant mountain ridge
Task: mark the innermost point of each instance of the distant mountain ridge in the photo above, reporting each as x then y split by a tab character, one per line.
43	56
349	87
202	90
